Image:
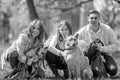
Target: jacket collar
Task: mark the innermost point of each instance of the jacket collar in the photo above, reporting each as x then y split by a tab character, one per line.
90	30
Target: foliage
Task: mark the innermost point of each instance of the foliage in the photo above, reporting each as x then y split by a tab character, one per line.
52	11
110	11
18	14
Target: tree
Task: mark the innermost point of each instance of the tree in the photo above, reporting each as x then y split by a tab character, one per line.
51	10
31	8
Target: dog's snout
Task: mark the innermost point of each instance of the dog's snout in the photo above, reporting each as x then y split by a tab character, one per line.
73	44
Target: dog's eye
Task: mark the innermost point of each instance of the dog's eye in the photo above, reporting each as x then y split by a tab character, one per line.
75	39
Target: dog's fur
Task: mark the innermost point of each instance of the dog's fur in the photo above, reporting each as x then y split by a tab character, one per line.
96	59
77	63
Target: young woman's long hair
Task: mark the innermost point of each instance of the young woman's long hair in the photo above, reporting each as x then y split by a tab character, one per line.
57	32
42	34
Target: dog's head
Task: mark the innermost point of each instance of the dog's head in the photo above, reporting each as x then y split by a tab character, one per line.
71	42
92	48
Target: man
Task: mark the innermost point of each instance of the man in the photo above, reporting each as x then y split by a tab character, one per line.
97	30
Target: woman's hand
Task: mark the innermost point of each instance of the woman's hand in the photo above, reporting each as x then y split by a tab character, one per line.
63	54
22	59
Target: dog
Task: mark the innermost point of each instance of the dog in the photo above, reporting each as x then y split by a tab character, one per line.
78	65
96	60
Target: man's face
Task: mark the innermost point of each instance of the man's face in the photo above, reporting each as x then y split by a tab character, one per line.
93	18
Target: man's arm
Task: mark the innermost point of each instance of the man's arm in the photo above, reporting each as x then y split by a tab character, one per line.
113	42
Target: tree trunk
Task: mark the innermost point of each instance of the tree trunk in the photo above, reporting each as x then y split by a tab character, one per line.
32	10
33	14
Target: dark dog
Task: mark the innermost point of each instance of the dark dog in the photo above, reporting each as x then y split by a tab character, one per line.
110	64
107	66
95	59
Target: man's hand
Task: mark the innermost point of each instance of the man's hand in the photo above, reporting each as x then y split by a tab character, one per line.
99	47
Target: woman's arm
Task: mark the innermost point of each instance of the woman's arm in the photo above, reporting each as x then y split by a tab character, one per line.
20	45
52	46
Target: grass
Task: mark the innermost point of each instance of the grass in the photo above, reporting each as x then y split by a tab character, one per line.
7	66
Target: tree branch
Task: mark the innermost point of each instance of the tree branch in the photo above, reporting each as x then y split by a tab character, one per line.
68	8
75	6
32	10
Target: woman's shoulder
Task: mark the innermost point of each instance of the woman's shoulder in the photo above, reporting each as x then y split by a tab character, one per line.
22	37
51	39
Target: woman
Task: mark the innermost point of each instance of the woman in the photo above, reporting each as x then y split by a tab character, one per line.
56	48
25	45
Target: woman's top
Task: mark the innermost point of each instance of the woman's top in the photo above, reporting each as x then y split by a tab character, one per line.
24	45
56	45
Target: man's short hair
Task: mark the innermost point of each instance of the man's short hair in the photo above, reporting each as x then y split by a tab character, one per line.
94	11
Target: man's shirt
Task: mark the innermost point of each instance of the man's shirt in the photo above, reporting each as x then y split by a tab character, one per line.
105	34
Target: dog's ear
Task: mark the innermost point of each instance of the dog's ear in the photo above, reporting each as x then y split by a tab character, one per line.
76	36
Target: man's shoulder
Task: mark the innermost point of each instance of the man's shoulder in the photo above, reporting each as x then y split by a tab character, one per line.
105	27
83	29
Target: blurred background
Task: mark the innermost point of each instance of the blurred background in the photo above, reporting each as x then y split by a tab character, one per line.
15	15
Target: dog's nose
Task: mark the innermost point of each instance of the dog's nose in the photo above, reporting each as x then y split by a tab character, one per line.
73	44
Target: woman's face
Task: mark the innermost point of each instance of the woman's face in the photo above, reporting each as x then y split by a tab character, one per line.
35	30
64	31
